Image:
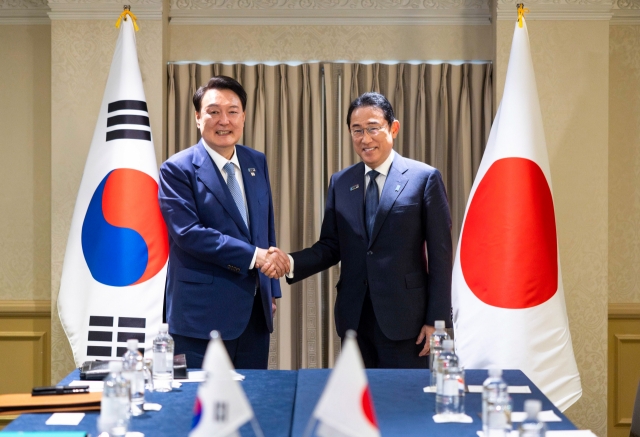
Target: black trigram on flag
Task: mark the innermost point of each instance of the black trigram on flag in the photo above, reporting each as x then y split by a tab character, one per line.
104	339
126	115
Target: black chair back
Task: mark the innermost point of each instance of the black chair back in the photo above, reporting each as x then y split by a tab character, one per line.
635	419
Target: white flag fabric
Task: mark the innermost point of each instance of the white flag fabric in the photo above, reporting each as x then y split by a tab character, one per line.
345	407
508	302
114	269
221	405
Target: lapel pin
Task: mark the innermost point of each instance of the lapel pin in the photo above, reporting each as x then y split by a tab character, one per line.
355	187
252	171
397	187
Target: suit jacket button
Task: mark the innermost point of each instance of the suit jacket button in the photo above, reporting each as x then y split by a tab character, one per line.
366	282
370	253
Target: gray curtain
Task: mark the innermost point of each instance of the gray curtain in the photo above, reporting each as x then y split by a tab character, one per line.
296	116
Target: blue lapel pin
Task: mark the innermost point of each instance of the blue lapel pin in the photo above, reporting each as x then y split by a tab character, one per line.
252	171
398	187
355	187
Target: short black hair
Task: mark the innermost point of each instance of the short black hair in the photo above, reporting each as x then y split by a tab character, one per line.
220	83
376	100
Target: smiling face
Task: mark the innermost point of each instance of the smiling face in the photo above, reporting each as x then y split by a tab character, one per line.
372	149
221	120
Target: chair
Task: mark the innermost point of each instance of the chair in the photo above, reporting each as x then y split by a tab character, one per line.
635	418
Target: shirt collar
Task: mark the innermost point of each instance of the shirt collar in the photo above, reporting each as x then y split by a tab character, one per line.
220	160
383	168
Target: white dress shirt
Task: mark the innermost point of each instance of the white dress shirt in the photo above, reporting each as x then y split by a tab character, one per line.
220	161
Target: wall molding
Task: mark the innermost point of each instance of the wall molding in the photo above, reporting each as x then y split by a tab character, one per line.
24	12
330	12
566	10
25	308
103	9
624	311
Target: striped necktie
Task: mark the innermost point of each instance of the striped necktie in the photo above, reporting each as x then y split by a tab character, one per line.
234	188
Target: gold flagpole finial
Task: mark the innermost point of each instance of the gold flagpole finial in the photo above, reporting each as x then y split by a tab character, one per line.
123	16
521	11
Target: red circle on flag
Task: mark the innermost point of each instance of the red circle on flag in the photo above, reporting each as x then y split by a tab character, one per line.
509	248
367	407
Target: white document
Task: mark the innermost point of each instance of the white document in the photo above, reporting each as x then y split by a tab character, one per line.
452	418
201	375
94	386
510	389
543	416
429	389
65	419
572	433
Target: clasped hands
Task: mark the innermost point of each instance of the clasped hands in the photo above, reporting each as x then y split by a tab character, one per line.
273	262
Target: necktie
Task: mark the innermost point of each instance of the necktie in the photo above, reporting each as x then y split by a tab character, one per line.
371	200
234	188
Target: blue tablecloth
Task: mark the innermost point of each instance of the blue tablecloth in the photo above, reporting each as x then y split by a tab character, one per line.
403	409
284	400
271	393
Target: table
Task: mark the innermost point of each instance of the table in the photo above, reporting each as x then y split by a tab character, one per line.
283	401
403	409
270	392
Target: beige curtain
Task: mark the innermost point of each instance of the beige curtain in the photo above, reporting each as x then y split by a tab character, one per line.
296	116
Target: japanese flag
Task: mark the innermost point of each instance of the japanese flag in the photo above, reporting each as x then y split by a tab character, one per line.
345	407
508	301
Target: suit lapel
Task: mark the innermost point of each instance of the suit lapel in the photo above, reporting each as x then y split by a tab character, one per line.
211	177
251	183
393	186
354	183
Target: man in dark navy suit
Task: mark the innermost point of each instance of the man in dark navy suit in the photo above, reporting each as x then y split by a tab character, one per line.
387	221
215	198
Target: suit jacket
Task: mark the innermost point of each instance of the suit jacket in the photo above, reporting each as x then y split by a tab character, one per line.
209	284
407	291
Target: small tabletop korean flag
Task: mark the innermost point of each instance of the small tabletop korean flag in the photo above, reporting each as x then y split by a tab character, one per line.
114	267
221	405
508	301
345	408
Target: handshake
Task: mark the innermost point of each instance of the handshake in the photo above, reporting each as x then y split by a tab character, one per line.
272	262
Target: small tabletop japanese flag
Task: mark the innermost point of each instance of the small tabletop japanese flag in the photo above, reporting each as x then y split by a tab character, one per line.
508	301
221	405
114	269
345	408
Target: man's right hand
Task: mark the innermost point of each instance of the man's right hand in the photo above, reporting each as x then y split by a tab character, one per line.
272	262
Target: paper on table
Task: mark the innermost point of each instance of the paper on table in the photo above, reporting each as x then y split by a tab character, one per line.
511	389
452	418
65	419
570	433
543	416
429	389
151	406
94	386
200	376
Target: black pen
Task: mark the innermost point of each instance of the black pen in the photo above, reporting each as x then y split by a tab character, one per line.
59	390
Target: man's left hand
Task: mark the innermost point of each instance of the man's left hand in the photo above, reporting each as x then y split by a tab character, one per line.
425	334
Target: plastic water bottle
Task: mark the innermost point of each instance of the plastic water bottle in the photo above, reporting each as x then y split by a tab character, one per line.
114	406
449	382
435	347
532	427
446	358
496	406
133	370
163	360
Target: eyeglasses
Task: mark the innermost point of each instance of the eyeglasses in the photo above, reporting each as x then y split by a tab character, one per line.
357	134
